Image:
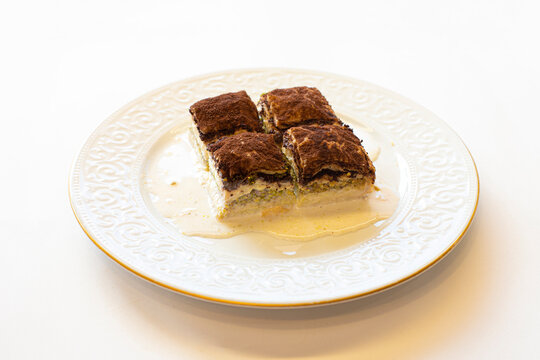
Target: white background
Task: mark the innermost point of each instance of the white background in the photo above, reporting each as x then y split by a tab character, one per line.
66	66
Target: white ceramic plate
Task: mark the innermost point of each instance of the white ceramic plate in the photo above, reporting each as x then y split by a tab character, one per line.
438	190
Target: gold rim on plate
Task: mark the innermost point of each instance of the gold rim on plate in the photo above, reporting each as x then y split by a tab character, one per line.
277	305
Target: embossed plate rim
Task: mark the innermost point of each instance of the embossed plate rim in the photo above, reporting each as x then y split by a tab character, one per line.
238	300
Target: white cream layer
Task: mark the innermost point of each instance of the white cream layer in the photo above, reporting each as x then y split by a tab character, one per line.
177	187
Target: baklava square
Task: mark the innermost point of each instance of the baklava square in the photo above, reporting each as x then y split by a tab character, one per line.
250	175
329	163
223	115
285	108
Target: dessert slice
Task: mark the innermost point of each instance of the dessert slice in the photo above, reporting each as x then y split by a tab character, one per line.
249	174
329	163
285	108
222	115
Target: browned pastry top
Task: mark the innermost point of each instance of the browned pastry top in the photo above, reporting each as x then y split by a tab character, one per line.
327	148
225	114
294	106
241	155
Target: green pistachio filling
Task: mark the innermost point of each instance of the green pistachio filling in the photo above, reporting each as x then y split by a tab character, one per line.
261	196
332	185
